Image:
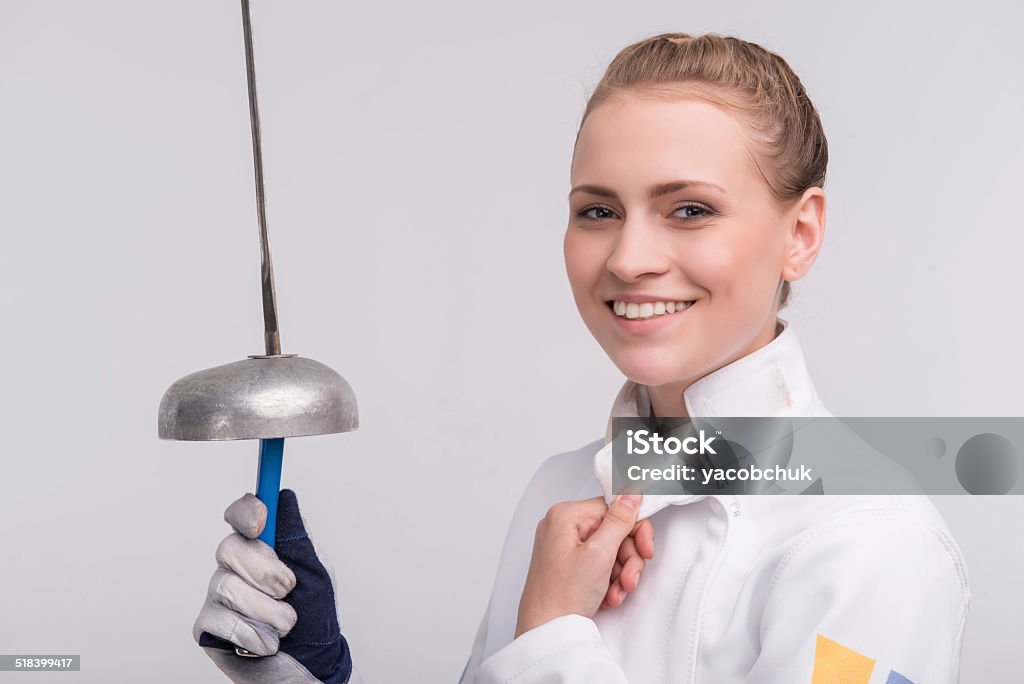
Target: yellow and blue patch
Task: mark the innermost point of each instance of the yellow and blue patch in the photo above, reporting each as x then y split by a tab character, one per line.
838	664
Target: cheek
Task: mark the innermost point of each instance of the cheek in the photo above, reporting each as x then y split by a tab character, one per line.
585	258
738	265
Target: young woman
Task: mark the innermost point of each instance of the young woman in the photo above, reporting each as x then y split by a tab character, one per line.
696	199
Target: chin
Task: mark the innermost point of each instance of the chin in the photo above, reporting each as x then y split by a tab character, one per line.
645	368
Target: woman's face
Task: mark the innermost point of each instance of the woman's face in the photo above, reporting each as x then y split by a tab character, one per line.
667	208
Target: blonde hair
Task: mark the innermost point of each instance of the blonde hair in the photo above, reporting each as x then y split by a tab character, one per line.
789	150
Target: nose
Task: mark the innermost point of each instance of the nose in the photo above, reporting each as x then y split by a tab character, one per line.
638	251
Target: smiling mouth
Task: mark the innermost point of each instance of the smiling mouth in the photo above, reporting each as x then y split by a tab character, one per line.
646	310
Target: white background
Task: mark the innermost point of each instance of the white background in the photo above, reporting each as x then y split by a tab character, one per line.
417	160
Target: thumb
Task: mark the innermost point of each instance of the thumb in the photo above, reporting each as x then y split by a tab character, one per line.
618	523
313	595
289	521
315	640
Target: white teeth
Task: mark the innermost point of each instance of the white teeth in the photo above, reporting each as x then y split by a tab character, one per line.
647	309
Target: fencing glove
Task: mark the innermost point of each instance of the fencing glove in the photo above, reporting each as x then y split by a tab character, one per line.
279	605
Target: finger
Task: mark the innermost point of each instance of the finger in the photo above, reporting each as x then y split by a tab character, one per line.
587	523
612	581
643	539
231	591
627	582
591	512
577	518
225	623
247	516
616	571
607	601
615	595
617	524
627	549
629	578
631	562
594	504
257	564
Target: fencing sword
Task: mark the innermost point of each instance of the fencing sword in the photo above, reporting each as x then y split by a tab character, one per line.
268	396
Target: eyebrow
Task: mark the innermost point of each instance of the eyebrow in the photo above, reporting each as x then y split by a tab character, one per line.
655	191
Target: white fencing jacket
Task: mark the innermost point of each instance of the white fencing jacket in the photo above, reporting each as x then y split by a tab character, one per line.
757	589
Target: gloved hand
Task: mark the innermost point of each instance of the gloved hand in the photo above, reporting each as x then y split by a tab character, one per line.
278	605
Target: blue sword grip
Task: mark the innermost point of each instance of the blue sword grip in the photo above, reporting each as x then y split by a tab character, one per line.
268	489
268	484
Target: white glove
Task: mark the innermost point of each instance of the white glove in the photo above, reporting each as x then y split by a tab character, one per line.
277	604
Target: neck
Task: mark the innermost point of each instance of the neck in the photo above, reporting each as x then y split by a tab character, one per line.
667	400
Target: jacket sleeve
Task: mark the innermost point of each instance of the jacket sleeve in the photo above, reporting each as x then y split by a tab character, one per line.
875	597
566	650
477	652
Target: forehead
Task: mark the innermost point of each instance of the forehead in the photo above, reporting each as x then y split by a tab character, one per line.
635	140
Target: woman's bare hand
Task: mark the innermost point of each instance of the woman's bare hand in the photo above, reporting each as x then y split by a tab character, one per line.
585	555
635	549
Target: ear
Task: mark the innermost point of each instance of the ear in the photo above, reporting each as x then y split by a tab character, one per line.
806	234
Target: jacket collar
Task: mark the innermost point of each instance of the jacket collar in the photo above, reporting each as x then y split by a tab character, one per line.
771	381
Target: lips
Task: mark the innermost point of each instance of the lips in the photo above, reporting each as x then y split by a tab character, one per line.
653	325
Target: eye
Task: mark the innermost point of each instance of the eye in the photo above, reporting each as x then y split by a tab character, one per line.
585	213
693	212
